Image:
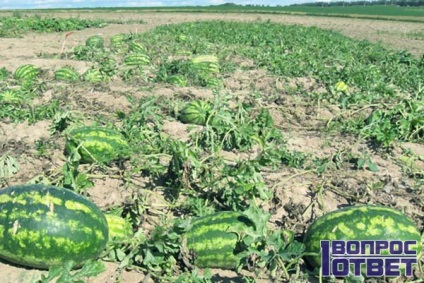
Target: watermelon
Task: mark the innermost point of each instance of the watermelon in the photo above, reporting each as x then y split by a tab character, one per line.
95	41
119	228
178	80
93	75
212	82
10	96
137	47
195	112
204	59
136	59
26	72
118	40
212	240
66	74
42	226
206	63
96	144
364	222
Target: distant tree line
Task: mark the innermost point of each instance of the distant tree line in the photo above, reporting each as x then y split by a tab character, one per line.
403	3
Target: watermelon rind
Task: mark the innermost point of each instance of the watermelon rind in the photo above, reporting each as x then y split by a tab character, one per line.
43	226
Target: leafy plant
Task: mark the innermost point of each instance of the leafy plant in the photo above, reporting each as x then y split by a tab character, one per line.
64	273
8	167
18	24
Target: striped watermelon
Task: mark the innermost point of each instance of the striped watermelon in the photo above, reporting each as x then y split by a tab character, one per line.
93	75
95	41
137	47
178	80
42	226
206	63
26	72
364	222
96	144
212	82
204	59
66	73
136	59
212	242
10	96
195	112
119	228
118	40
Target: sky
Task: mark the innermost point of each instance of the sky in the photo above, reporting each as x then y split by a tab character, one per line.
38	4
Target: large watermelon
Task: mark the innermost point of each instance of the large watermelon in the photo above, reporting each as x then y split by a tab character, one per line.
212	241
26	72
43	226
195	112
364	222
96	144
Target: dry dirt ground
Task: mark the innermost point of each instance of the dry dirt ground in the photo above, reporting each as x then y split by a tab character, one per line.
293	192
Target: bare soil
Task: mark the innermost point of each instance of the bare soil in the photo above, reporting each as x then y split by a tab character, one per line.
300	121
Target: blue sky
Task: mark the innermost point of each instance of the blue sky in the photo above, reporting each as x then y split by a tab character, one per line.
18	4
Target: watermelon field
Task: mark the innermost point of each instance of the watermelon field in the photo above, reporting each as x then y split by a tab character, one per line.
210	142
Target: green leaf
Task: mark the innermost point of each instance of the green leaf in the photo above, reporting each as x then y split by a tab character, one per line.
293	250
372	166
259	218
8	166
91	269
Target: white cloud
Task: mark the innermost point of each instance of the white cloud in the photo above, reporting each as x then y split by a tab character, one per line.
217	2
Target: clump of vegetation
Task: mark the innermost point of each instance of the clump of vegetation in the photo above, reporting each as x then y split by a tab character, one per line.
19	24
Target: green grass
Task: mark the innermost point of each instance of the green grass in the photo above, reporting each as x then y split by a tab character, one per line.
18	24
